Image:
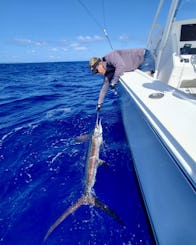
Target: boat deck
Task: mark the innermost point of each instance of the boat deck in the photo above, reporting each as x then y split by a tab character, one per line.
172	115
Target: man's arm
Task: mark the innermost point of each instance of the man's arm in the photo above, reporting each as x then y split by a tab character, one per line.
103	91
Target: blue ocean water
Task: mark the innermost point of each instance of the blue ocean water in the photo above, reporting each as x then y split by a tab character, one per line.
44	108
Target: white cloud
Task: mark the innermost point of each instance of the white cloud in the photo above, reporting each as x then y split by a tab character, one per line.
65	41
124	38
80	48
77	46
84	38
31	51
25	42
94	38
74	45
98	38
54	49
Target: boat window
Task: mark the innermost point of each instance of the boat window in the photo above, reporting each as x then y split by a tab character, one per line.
188	32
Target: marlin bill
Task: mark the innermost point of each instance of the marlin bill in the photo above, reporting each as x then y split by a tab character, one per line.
88	197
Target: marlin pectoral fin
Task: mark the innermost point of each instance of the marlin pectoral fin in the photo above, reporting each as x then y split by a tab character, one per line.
82	138
108	211
69	211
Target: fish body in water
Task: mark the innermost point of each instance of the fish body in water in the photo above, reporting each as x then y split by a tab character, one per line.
88	197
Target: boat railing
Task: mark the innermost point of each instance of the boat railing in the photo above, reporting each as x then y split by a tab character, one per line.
164	37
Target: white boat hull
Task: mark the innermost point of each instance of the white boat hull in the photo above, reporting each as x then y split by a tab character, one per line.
163	158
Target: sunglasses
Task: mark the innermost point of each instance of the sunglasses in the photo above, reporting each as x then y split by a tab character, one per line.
94	67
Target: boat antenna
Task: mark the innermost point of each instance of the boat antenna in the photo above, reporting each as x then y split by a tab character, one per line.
103	29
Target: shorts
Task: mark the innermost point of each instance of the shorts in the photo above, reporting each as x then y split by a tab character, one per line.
149	63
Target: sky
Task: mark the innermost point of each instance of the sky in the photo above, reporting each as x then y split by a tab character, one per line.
73	30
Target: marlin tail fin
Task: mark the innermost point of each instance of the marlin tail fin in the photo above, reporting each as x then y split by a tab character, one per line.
84	200
69	211
108	211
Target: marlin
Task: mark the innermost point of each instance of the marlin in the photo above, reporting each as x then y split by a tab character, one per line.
88	198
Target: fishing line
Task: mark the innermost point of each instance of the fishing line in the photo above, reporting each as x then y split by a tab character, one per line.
103	10
90	14
97	116
102	28
104	24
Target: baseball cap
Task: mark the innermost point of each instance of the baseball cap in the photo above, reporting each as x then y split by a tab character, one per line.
93	64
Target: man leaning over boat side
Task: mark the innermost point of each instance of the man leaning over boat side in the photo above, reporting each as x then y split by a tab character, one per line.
113	64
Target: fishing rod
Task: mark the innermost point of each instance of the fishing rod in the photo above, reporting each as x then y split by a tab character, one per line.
102	28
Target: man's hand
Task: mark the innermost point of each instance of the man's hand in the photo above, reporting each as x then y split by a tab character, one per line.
112	86
98	107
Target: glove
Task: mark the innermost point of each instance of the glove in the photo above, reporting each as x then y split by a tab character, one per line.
112	86
98	107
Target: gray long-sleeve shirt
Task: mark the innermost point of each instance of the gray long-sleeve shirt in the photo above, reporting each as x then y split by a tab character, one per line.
117	62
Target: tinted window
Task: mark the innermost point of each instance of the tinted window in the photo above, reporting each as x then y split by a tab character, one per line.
188	32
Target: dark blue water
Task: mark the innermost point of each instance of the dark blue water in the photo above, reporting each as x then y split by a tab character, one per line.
43	109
